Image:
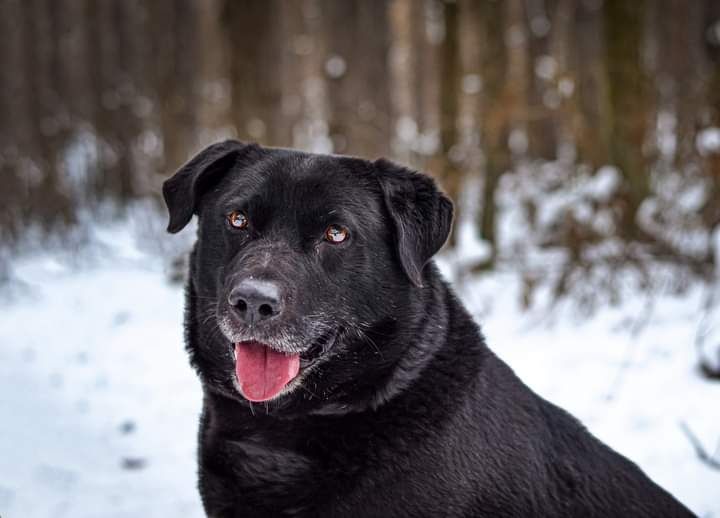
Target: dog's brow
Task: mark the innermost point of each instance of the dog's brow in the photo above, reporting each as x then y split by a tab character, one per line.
235	201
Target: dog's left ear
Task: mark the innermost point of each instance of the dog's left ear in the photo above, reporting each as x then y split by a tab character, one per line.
182	190
421	214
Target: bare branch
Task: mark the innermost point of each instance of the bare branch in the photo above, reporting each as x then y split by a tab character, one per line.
700	450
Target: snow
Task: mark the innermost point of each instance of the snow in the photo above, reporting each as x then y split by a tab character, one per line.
546	67
472	84
85	354
708	141
100	407
603	185
335	66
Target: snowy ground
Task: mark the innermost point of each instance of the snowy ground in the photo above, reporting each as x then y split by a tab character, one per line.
98	407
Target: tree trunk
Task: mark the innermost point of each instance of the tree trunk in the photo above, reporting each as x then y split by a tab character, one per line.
446	164
629	104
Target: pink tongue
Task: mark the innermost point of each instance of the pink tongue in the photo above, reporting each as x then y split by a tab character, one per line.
263	372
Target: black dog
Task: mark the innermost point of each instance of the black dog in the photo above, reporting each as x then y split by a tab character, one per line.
341	375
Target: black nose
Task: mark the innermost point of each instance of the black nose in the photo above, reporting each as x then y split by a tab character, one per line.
255	300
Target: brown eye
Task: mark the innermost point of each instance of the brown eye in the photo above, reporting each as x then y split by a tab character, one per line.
238	219
336	234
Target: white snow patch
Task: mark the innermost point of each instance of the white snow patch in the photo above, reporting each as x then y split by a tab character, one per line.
708	141
83	354
471	84
603	185
546	67
335	66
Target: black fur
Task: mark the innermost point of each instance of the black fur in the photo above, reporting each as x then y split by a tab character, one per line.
401	409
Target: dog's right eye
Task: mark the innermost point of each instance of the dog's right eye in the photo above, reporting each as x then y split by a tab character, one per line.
237	219
336	234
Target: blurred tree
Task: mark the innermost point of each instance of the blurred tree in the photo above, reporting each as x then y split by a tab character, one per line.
256	44
173	64
494	114
629	105
591	134
446	164
44	98
543	52
113	86
711	31
678	66
358	93
14	136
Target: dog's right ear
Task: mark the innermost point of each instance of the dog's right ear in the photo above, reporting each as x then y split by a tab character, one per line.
183	189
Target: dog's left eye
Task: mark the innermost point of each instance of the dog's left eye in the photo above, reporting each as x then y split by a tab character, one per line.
238	219
336	234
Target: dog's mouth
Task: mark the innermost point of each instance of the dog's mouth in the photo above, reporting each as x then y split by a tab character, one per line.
262	372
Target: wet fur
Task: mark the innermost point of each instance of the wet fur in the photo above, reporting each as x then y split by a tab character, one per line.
404	411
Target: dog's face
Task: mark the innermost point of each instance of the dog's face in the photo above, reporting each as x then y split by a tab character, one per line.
303	266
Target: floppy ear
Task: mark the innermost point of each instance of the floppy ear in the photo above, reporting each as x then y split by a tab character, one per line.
421	214
183	189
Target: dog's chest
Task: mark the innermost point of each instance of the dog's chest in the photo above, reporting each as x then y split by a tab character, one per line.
297	477
314	467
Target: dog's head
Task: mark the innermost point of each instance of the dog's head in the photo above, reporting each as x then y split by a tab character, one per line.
306	268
